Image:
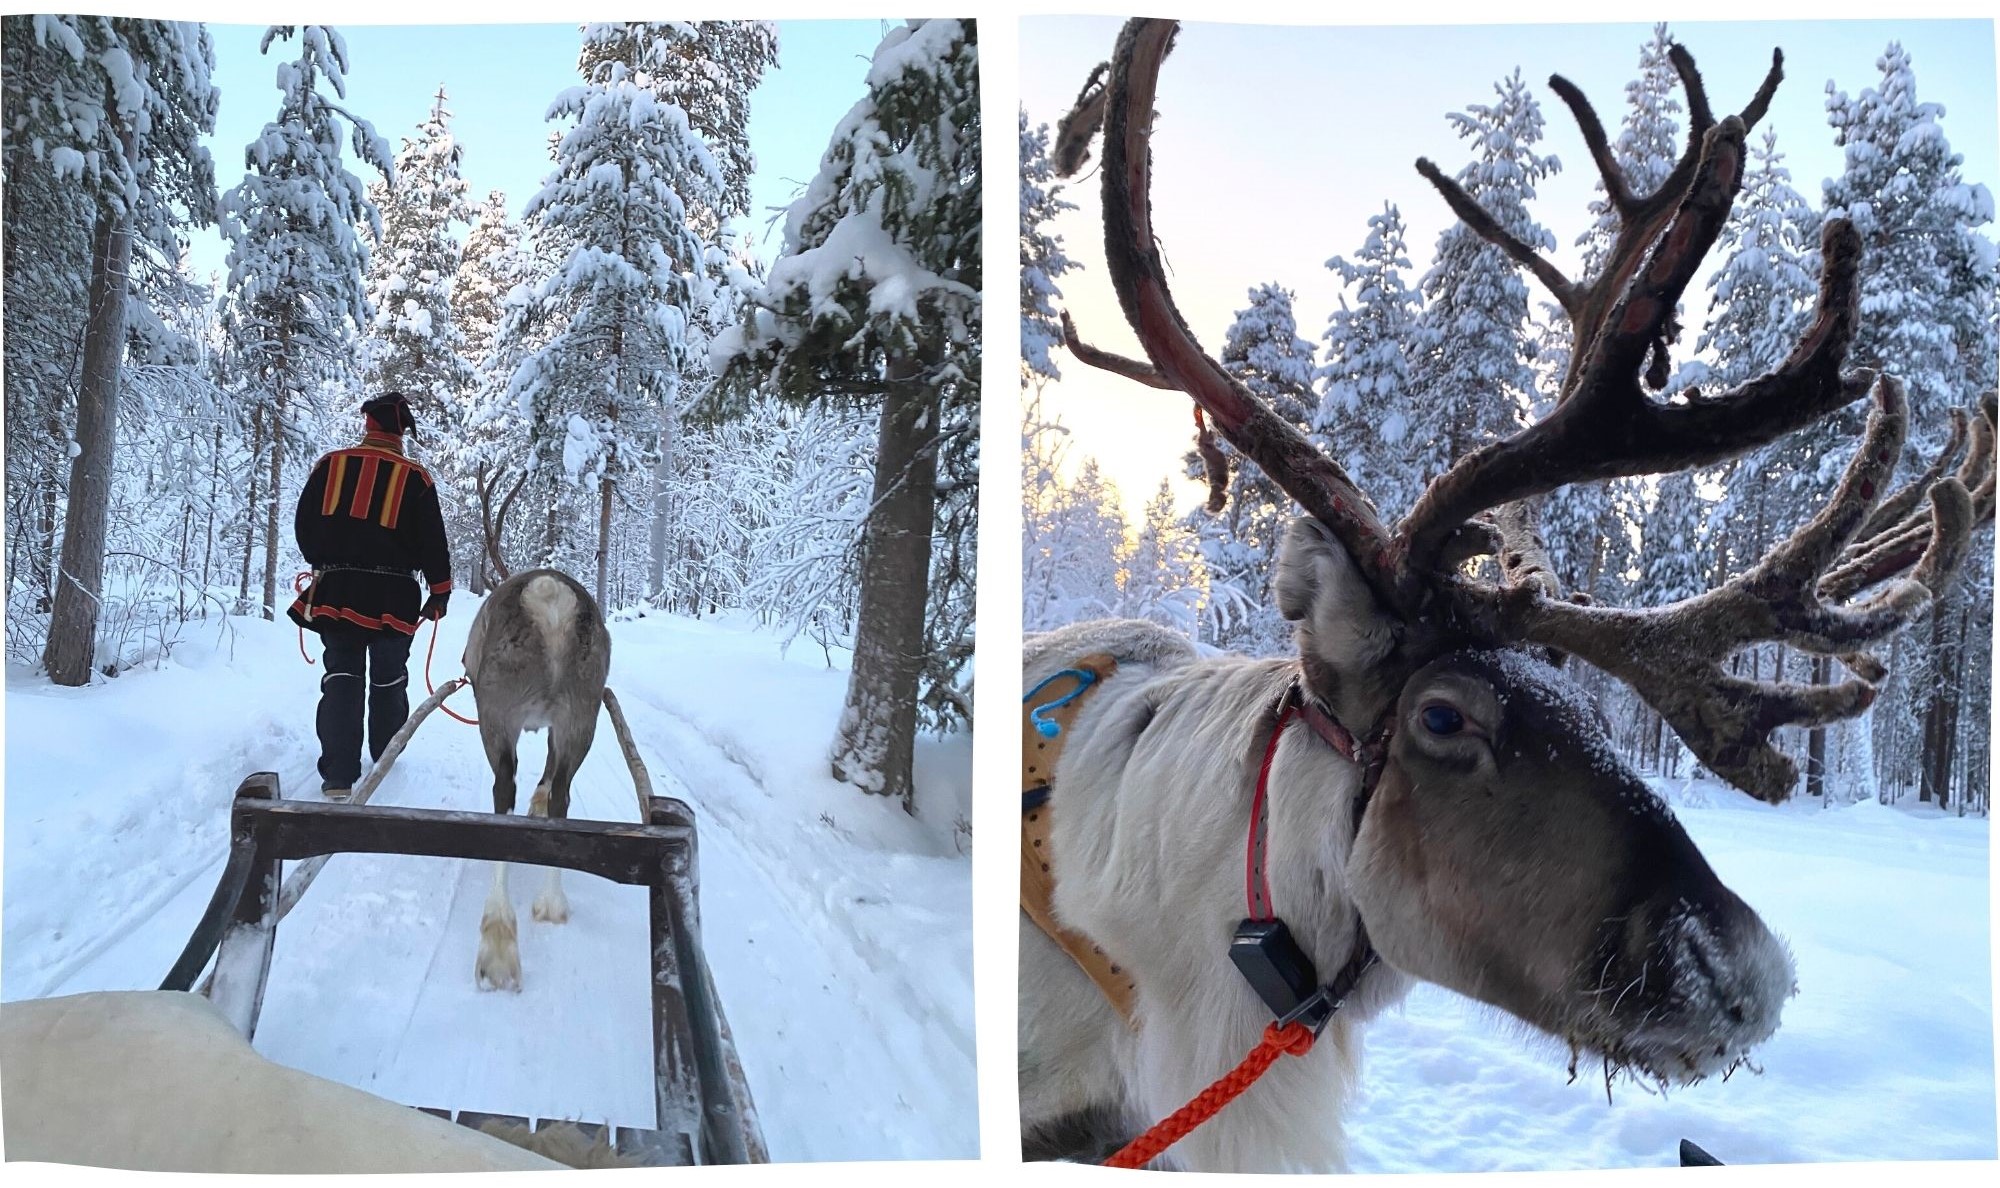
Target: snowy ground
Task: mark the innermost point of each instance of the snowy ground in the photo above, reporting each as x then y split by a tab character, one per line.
838	928
1885	1054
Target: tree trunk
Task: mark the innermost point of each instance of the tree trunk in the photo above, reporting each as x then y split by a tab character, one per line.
80	577
275	495
603	535
1941	712
250	509
876	740
45	535
656	533
1816	737
208	527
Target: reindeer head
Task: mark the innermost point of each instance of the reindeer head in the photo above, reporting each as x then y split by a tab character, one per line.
1506	851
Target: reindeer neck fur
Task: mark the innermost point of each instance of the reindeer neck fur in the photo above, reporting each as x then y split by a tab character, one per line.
1153	798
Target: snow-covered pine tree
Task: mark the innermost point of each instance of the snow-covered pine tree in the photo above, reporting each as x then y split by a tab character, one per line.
1077	554
414	344
1674	556
1926	280
47	254
1239	545
627	173
113	109
1903	189
296	257
1043	262
1366	407
876	298
708	70
1163	575
1471	371
490	449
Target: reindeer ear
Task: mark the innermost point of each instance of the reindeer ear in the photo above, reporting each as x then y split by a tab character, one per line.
1318	587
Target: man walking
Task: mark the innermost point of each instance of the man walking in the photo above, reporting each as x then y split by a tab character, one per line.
367	521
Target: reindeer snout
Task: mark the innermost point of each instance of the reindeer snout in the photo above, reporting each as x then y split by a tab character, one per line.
1729	977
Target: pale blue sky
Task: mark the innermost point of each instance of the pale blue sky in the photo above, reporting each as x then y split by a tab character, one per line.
499	81
1275	145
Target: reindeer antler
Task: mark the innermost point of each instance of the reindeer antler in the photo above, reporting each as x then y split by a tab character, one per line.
1604	425
1132	257
1673	656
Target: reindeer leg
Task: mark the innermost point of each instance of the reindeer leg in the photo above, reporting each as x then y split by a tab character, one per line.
551	906
566	751
499	965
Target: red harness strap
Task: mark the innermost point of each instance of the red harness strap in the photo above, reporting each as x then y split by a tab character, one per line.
1281	1037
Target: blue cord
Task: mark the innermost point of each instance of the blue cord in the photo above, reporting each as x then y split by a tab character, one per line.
1043	725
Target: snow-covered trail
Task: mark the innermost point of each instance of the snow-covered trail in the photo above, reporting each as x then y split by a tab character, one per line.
851	1052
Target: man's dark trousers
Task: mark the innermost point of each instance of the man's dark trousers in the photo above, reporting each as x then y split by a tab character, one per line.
360	664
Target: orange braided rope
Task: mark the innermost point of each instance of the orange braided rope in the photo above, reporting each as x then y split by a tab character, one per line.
300	582
1294	1038
428	653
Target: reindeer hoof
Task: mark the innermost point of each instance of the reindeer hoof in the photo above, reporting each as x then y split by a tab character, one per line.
552	907
499	965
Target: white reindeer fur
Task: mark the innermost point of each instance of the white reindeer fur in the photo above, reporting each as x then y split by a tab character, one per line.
554	608
1152	803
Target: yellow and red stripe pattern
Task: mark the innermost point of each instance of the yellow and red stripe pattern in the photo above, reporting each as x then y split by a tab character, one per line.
336	477
368	466
392	499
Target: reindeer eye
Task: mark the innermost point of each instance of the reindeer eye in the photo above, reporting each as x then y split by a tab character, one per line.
1442	720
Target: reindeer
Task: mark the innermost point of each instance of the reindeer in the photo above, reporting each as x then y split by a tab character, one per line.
1438	800
537	656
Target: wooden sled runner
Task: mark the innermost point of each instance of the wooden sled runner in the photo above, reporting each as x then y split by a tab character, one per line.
705	1113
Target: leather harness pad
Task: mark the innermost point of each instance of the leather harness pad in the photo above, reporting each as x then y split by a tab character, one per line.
1038	761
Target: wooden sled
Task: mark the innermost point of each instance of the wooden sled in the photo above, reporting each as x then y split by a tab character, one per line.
704	1110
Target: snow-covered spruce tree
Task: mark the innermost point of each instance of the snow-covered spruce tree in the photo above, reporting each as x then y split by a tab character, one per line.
112	109
627	174
1471	372
876	299
707	69
296	258
1366	406
1163	575
1043	262
1239	544
1927	287
414	344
